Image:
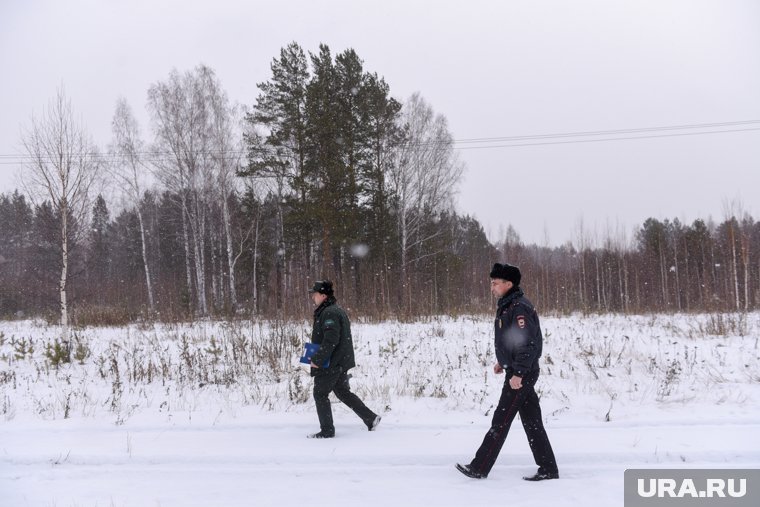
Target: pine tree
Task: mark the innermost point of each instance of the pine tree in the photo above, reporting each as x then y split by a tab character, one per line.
279	155
99	254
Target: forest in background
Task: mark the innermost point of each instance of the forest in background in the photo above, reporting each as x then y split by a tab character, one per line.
228	211
666	267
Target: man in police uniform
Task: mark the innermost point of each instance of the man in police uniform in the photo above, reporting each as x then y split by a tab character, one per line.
332	331
518	343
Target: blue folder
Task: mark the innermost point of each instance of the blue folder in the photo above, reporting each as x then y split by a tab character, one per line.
309	349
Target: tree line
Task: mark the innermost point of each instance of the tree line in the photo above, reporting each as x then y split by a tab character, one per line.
664	266
228	210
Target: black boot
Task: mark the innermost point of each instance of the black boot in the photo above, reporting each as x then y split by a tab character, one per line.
542	476
469	472
321	434
371	426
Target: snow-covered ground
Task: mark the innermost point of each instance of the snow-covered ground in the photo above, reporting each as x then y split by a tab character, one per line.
215	414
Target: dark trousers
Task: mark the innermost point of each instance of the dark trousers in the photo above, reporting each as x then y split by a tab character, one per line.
337	382
513	401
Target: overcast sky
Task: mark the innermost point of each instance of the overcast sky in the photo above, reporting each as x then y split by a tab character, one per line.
494	69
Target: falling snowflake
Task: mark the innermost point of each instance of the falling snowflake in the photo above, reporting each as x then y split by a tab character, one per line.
359	250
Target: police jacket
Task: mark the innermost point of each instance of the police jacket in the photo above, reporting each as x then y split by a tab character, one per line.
517	334
332	331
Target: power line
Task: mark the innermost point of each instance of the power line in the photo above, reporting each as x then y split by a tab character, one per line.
607	139
156	156
610	132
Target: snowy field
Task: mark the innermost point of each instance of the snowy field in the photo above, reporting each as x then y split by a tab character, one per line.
215	414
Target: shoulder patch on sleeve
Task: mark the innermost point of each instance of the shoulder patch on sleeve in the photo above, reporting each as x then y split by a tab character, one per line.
521	321
329	322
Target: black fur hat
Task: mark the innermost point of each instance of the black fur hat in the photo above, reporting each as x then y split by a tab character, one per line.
506	272
323	287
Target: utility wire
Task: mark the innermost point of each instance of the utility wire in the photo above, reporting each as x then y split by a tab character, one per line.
607	139
610	132
156	156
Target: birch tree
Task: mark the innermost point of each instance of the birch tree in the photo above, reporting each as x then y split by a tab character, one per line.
181	113
425	175
129	171
226	154
62	168
732	210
